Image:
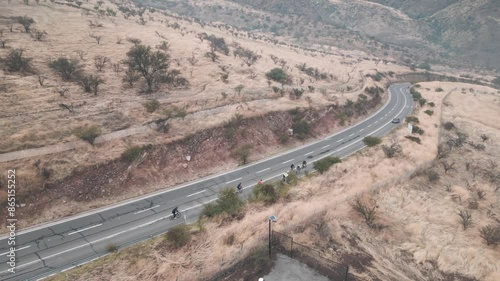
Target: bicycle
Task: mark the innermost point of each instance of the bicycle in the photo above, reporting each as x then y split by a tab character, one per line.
175	216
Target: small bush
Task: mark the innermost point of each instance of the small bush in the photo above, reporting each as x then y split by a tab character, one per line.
433	176
392	150
90	83
371	141
448	126
131	153
26	22
88	134
412	119
417	130
265	193
422	101
242	153
16	62
229	239
283	138
365	210
151	105
414	139
465	219
111	248
178	236
439	89
429	112
431	104
278	75
490	234
473	204
228	202
324	164
301	129
67	68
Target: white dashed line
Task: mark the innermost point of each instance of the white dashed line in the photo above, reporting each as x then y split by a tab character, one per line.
142	211
340	140
351	135
71	233
15	250
196	193
309	153
287	161
263	170
361	130
326	146
233	180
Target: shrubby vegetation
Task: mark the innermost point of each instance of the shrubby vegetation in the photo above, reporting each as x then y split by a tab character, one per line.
17	62
228	203
88	134
131	153
69	69
324	164
371	141
178	236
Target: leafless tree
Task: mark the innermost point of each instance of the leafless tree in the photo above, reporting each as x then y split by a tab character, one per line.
26	22
81	54
367	211
117	67
131	77
468	164
97	38
484	137
10	26
465	219
62	91
192	60
38	34
41	79
3	42
100	62
480	194
448	166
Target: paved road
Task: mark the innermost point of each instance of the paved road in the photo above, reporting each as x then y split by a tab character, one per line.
61	245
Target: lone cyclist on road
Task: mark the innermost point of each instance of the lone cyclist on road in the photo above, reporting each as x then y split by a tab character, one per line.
239	187
175	212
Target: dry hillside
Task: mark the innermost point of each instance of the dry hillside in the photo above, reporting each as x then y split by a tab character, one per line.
416	233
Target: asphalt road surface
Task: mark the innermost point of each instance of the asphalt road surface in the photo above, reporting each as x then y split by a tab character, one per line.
58	246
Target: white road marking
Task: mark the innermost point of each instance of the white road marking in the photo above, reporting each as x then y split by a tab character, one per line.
351	135
71	233
142	211
263	170
369	126
326	146
68	268
196	193
361	130
340	140
233	180
382	118
309	153
15	250
287	161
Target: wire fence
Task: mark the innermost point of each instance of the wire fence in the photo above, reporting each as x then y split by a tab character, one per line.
332	270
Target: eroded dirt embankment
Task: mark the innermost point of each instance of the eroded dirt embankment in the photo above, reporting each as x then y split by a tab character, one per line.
160	166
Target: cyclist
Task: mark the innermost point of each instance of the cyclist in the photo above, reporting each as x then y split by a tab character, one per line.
304	163
298	169
175	212
259	182
292	167
239	187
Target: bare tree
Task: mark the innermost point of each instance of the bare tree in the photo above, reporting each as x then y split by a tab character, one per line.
484	137
365	210
3	42
131	76
448	166
81	54
480	194
97	38
117	67
10	26
239	88
212	55
192	60
465	219
41	79
62	91
100	62
90	83
38	34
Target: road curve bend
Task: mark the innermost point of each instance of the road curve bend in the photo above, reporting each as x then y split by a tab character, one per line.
54	247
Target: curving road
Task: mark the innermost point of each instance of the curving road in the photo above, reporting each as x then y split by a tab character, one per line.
58	246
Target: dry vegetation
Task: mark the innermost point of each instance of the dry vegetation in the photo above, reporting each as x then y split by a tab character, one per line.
77	92
415	231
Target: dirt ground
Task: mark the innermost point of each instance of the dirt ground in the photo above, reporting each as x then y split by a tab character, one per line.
417	235
286	268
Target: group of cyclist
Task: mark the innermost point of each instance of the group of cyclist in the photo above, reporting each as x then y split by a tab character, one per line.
239	187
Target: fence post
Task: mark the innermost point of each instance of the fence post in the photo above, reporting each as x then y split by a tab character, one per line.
291	247
346	273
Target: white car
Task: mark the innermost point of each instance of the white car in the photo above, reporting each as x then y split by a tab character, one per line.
395	120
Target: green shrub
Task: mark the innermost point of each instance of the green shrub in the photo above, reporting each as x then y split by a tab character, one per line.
265	193
412	119
131	153
429	112
448	126
415	94
414	139
278	75
417	130
178	236
433	176
431	104
283	138
439	89
16	62
301	129
68	68
324	164
424	65
242	153
228	203
422	101
371	141
88	134
151	105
